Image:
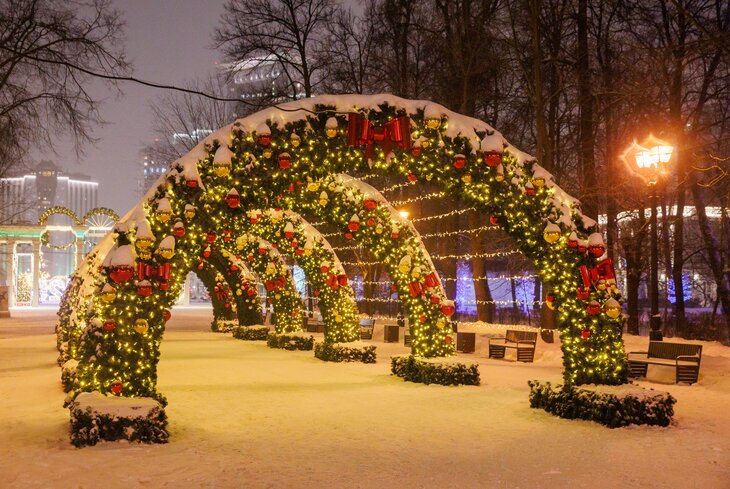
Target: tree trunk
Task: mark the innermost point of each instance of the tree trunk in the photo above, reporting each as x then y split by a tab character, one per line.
485	306
585	104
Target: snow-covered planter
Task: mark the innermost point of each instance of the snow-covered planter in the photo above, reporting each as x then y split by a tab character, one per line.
357	351
612	406
251	333
68	374
95	417
290	341
434	370
223	325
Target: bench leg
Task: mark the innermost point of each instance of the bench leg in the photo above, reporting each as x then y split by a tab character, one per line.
637	369
496	351
687	373
526	355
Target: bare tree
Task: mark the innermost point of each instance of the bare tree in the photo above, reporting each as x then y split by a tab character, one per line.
182	120
350	49
288	32
48	48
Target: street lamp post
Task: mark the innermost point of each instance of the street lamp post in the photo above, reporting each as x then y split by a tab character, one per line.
651	160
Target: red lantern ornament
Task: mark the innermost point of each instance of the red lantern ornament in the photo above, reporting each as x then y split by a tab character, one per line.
284	161
582	293
585	334
211	236
459	161
233	199
431	280
447	308
117	387
144	288
492	158
593	308
166	314
121	273
192	183
109	325
370	204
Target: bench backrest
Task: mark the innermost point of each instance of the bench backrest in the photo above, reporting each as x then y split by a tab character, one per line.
515	335
367	323
665	349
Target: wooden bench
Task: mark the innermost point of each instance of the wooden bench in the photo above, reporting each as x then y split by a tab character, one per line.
367	326
523	341
407	339
684	357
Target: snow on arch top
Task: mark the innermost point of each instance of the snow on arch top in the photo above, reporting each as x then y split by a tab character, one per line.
458	125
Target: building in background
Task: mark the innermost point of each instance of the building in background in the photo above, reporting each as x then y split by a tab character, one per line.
262	81
24	197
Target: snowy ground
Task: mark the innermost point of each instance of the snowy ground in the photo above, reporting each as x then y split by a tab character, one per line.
244	416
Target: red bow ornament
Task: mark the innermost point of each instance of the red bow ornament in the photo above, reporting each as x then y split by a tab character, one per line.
395	133
602	270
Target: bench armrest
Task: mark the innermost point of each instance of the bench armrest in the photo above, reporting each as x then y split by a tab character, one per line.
688	358
644	352
525	342
498	338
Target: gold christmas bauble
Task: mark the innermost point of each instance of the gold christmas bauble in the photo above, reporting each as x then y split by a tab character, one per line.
295	140
222	169
189	213
109	295
166	253
313	186
331	132
323	202
432	123
551	236
277	296
164	216
267	153
143	243
141	326
538	182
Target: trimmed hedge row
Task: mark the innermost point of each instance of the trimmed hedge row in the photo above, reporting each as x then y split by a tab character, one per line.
89	427
223	325
340	352
251	333
414	369
608	409
288	341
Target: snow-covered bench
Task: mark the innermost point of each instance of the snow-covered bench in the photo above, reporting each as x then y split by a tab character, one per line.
684	357
523	341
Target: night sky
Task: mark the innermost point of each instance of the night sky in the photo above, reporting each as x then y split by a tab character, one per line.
167	41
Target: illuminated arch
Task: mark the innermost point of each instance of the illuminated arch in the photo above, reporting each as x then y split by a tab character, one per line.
286	156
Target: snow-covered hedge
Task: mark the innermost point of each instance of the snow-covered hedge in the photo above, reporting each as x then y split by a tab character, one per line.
95	417
613	406
223	325
251	333
290	341
68	374
356	351
434	371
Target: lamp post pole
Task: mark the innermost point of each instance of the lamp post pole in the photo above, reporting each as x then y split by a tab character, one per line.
655	321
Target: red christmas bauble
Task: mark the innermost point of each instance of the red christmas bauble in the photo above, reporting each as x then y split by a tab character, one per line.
192	183
435	299
582	294
324	269
284	161
348	235
448	340
371	221
422	318
264	139
121	273
299	252
251	291
117	387
416	151
412	177
211	236
597	250
233	201
447	309
353	226
530	191
585	334
459	162
492	158
166	314
144	290
109	325
179	231
370	204
494	220
394	235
